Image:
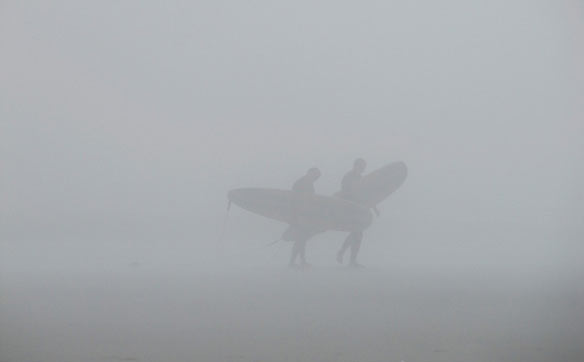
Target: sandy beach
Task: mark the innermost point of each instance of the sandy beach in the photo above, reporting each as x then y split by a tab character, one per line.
276	314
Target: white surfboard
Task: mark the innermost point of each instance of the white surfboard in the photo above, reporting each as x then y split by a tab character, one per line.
377	185
311	212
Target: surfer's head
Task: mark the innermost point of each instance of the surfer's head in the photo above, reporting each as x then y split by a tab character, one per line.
359	165
313	173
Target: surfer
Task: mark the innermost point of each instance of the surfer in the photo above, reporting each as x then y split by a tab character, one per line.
303	188
305	184
349	187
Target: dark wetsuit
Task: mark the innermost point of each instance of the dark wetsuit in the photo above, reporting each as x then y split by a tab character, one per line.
349	186
303	187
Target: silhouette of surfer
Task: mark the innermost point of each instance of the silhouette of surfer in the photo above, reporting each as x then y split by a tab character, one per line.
298	232
349	191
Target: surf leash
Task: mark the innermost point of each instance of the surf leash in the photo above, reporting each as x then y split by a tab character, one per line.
273	242
223	226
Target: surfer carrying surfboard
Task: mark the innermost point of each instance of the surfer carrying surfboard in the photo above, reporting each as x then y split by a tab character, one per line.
303	191
308	214
349	189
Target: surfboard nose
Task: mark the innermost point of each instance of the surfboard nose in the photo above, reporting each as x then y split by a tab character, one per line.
316	212
248	195
403	167
232	194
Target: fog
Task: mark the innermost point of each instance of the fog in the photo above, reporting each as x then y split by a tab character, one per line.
123	125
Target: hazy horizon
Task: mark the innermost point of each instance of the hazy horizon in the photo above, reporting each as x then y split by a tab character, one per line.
123	125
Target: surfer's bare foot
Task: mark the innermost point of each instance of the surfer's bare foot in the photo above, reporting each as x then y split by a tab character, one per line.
305	265
354	264
340	257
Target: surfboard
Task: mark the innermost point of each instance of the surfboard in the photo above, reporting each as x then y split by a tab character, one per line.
311	212
377	185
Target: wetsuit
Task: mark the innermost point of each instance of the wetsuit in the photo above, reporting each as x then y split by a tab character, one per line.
303	187
349	187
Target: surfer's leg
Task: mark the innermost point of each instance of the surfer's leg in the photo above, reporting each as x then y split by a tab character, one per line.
355	246
344	247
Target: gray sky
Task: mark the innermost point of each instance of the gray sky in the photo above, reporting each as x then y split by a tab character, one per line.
133	117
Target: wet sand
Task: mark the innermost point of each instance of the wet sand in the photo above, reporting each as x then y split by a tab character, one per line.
275	314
